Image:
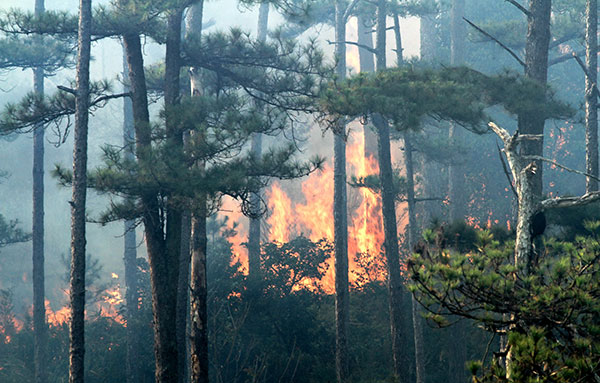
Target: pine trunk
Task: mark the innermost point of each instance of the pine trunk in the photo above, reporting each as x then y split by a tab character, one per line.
434	180
256	150
78	241
40	327
457	56
340	214
199	292
536	68
456	179
165	274
591	95
164	287
367	64
130	249
183	296
389	211
199	319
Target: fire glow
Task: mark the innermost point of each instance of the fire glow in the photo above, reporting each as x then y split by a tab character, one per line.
310	213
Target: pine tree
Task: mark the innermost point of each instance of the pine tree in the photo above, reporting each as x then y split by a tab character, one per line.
78	241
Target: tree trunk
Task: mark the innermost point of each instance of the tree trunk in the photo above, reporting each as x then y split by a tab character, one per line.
591	96
434	176
457	55
199	320
77	286
130	250
523	174
162	263
412	220
389	210
412	240
536	68
340	213
256	150
367	64
183	301
166	284
40	327
199	292
456	179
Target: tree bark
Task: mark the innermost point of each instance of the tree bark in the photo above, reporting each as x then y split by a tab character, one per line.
536	68
40	327
367	64
183	301
256	150
78	240
163	282
457	56
434	176
129	242
389	210
456	179
523	173
591	96
199	292
166	284
199	320
340	213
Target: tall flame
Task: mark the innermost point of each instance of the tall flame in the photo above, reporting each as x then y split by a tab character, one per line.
310	213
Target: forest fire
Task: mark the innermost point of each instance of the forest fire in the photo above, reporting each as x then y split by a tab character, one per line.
310	213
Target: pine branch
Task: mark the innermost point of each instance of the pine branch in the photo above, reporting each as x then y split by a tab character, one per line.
563	202
350	9
540	158
506	171
586	71
519	7
563	58
510	51
368	48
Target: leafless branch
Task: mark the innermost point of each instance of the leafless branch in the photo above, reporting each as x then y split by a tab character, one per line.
350	9
370	49
68	90
519	7
501	132
540	158
109	97
531	137
585	199
510	51
506	171
586	71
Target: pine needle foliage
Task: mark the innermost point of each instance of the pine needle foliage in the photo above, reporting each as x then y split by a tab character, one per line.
407	95
551	315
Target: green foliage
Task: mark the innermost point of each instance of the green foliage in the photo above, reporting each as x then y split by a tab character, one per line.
280	73
407	95
35	111
550	315
11	233
35	52
373	183
293	266
221	128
